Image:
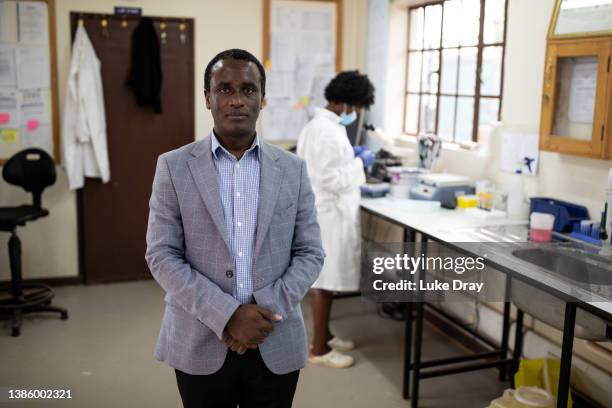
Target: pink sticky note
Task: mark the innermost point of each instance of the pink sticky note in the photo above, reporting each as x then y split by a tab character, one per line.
4	118
32	125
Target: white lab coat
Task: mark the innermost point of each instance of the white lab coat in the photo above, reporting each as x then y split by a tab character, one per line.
335	175
84	126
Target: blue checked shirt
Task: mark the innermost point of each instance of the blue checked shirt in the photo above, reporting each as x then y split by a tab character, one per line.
239	188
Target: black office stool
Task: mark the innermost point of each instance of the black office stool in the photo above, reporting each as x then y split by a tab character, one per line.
33	170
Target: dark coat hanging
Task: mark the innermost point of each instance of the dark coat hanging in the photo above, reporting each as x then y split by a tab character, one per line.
145	77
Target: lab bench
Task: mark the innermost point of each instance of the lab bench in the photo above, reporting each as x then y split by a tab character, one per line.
452	228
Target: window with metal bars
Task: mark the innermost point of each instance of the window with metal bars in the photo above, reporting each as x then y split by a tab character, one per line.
455	67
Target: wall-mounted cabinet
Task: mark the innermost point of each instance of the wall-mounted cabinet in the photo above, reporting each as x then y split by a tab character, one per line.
577	89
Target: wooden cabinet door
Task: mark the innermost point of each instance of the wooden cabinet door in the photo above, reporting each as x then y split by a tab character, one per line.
575	97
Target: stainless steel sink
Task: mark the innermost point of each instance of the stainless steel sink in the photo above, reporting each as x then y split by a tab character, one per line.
577	265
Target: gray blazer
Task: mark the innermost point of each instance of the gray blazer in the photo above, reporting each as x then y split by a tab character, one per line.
188	254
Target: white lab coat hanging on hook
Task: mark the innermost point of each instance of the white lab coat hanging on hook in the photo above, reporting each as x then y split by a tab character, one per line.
84	126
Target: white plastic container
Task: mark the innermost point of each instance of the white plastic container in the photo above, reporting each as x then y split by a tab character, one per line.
524	397
528	397
402	180
407	176
400	190
484	192
540	227
516	208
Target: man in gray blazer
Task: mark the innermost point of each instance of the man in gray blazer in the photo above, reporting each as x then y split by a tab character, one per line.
234	242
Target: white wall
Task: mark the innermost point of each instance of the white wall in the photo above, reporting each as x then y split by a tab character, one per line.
378	38
50	246
571	178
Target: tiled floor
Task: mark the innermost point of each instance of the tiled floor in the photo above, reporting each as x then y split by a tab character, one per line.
104	354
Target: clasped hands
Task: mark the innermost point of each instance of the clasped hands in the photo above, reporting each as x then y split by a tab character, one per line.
248	327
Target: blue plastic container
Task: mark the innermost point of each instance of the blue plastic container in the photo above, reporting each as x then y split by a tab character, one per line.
590	234
566	214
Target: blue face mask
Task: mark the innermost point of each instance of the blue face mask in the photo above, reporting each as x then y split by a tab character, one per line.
348	118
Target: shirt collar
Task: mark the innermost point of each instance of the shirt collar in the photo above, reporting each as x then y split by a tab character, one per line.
326	113
215	145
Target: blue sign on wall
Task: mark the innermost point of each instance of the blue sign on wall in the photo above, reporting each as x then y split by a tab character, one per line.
128	11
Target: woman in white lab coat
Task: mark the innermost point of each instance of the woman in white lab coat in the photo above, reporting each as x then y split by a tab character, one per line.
336	174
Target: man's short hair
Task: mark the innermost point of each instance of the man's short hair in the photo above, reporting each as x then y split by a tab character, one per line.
235	54
352	88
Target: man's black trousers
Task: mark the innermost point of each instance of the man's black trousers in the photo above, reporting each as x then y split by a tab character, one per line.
243	380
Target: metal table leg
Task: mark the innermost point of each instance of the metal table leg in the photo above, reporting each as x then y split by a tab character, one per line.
418	306
414	397
566	355
503	370
408	238
407	350
518	345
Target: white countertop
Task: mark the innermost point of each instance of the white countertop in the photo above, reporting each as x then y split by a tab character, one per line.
458	226
431	219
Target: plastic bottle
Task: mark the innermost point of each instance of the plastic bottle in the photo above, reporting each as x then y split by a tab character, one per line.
516	206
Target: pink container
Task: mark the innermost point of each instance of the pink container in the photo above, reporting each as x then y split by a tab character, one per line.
541	225
540	235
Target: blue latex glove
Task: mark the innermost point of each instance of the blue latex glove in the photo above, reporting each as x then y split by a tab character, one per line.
367	157
358	150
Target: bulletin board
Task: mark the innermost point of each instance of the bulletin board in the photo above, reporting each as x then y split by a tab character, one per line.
28	78
302	53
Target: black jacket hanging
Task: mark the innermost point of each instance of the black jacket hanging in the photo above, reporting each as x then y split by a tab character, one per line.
145	77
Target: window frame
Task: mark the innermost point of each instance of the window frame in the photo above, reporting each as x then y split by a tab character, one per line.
477	96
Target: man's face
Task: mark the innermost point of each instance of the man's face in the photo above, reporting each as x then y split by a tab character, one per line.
235	97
